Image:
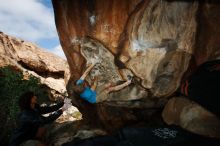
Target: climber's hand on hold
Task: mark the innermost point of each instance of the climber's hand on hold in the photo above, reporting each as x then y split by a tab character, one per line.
67	100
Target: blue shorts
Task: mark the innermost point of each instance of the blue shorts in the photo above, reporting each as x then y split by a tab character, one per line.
89	95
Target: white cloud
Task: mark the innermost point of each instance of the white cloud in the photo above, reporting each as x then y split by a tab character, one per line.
27	19
58	51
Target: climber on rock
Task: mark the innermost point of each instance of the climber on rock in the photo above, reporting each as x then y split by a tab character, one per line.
89	94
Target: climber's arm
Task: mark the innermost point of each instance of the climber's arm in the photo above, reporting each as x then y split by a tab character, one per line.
87	71
82	78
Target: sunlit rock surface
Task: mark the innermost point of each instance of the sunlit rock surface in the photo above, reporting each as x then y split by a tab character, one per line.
158	41
30	59
70	115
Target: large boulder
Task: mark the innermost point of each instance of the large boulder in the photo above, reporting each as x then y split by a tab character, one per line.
156	41
192	117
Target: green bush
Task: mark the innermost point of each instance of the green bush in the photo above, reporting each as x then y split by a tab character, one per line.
12	86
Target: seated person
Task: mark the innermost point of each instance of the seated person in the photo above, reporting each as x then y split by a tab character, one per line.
89	94
203	86
31	124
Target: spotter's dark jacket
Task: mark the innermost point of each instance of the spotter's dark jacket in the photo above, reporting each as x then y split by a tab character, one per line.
29	120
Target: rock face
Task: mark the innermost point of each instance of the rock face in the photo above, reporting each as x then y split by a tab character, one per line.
156	41
31	59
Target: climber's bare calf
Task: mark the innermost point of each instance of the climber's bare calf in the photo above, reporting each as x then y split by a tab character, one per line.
118	87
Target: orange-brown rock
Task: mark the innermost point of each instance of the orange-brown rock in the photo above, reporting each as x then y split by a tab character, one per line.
155	40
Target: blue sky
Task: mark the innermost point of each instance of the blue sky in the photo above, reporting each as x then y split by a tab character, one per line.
31	20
